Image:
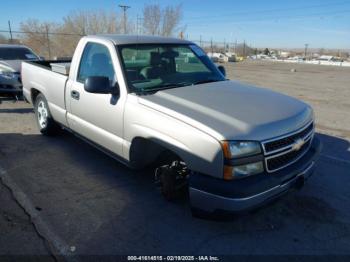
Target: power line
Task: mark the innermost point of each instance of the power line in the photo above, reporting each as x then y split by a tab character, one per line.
36	32
276	18
269	10
124	7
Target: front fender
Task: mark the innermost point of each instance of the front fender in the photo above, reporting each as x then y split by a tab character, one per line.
201	152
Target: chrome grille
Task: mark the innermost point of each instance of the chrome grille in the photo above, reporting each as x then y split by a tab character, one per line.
278	162
284	151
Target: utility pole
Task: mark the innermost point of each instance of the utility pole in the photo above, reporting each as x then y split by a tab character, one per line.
305	52
181	35
48	41
139	25
244	48
211	45
124	7
200	41
10	30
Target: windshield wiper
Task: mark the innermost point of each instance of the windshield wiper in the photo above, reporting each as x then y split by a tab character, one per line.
160	88
206	81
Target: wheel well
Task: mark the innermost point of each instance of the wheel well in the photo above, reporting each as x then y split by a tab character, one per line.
147	152
34	93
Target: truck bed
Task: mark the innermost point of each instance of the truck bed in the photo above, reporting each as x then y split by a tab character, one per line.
38	75
46	64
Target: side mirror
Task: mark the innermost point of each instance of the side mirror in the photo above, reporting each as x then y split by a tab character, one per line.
100	85
222	70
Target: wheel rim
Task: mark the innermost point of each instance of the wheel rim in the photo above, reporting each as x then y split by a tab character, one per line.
42	114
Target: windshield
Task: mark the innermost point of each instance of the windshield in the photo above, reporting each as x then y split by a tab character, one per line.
162	66
20	53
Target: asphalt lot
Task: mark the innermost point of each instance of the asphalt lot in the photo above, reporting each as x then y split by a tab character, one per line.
17	234
83	202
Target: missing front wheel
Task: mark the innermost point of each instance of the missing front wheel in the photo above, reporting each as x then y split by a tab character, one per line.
172	179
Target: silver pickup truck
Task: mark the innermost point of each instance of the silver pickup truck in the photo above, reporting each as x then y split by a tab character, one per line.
162	102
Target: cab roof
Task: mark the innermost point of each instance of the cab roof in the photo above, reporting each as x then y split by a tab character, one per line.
138	39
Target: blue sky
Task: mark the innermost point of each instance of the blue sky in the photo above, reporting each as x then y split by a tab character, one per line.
269	23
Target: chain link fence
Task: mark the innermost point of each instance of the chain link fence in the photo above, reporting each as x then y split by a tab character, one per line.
57	45
50	45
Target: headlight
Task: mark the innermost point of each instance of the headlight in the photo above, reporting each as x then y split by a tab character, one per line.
8	75
248	169
239	149
236	149
234	172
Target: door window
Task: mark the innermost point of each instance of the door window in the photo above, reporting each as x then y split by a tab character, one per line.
96	61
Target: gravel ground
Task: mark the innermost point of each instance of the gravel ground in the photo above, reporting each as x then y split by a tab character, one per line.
326	88
90	204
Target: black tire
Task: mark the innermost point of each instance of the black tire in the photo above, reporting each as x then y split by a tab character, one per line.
46	124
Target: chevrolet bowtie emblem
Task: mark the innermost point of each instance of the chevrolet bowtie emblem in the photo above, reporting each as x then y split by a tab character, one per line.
298	143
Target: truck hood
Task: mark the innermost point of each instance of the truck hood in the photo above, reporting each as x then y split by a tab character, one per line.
230	110
10	65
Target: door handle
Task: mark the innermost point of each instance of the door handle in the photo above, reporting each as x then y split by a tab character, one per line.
75	94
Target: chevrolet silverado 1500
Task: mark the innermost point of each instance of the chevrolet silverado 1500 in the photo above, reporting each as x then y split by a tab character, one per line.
147	100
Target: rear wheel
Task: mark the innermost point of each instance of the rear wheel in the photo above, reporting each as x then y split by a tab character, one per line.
46	124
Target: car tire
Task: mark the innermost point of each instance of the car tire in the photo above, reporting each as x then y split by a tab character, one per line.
46	124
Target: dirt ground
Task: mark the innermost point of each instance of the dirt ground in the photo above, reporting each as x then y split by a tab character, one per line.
326	88
68	198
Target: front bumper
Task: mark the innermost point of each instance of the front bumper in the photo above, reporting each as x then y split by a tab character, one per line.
210	194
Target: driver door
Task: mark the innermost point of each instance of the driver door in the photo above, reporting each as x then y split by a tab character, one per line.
97	117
